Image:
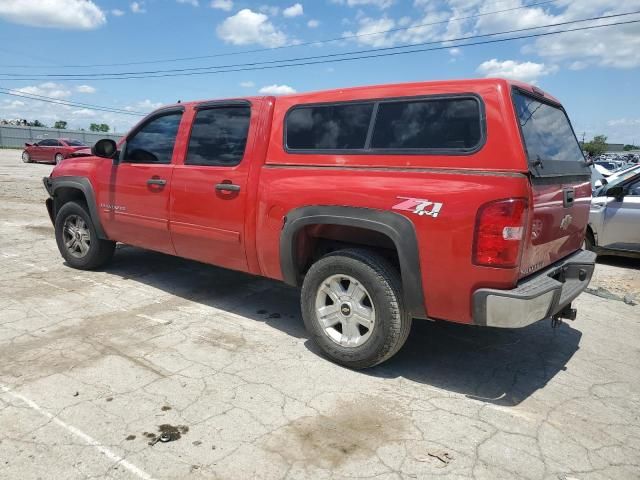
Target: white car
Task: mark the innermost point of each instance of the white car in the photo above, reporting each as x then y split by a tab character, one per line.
614	218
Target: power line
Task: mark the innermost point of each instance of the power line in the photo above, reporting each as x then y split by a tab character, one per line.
42	98
315	42
313	60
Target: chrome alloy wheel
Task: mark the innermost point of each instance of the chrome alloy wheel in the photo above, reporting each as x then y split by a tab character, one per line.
76	236
345	311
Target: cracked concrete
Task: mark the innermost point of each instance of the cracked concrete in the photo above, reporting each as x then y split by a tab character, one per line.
94	365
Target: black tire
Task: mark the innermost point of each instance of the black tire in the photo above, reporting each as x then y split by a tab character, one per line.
383	285
26	158
99	252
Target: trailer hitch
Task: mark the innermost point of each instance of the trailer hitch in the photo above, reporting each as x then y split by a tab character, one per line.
567	313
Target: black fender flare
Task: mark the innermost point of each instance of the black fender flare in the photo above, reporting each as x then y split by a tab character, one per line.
82	184
397	227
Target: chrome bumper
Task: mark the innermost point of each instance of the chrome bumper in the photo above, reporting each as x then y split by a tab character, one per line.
537	297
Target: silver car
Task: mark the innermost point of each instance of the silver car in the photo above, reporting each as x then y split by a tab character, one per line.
614	218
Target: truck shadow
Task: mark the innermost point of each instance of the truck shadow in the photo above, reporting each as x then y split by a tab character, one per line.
497	366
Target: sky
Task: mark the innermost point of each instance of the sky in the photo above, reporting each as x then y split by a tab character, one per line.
595	73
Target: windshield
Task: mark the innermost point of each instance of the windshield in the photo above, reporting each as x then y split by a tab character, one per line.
552	147
75	143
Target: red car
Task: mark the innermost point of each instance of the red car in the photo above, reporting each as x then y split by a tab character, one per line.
51	150
460	201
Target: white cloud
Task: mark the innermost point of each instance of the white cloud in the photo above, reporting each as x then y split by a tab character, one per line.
524	71
277	90
117	12
225	5
247	27
359	3
85	89
248	84
138	7
624	122
13	104
193	3
270	10
84	112
67	14
48	89
293	11
313	24
617	47
49	113
144	106
375	32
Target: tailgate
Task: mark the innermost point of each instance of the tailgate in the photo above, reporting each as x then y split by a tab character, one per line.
560	182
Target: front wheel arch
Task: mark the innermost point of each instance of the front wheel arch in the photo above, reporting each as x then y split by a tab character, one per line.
65	189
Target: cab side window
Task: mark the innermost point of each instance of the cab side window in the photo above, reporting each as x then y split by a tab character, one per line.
154	142
634	189
219	136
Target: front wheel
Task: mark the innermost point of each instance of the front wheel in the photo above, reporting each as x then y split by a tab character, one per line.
78	240
26	158
352	306
58	158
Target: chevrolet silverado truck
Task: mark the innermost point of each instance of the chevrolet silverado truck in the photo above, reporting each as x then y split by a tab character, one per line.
461	201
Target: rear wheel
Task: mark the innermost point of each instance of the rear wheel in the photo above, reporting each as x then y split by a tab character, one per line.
58	158
26	158
353	308
78	240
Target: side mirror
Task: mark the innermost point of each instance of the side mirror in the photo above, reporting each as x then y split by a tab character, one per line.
616	191
105	148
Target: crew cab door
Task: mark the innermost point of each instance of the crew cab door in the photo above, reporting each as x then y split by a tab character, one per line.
209	194
133	197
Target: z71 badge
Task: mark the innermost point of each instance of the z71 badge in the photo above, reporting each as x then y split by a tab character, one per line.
419	206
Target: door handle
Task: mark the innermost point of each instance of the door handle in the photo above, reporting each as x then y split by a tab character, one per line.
156	181
227	187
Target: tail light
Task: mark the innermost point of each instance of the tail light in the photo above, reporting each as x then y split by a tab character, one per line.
500	229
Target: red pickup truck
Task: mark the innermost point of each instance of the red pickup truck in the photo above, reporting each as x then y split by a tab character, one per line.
464	201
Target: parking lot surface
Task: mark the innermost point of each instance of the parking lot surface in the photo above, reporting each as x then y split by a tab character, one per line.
96	365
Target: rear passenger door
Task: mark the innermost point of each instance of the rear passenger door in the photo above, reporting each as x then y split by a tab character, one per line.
209	193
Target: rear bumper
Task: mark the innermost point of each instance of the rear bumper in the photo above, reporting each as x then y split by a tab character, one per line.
537	297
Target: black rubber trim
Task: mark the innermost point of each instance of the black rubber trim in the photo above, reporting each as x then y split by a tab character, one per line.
538	284
397	227
84	185
222	103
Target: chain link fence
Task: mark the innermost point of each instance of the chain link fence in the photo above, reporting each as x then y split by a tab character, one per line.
12	136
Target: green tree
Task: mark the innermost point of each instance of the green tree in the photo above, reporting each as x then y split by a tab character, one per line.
37	123
104	127
94	127
631	147
61	124
597	146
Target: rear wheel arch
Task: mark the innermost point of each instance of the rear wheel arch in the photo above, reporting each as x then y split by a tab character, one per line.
389	232
66	189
